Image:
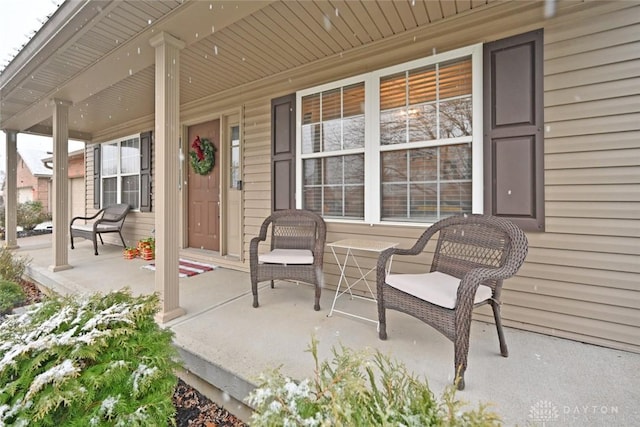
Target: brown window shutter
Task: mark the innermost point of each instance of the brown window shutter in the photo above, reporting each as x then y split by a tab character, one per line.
146	145
283	153
96	176
513	130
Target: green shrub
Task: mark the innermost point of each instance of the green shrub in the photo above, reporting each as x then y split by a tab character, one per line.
358	389
11	266
11	296
90	361
30	214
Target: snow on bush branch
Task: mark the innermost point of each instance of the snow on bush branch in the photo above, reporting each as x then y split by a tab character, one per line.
97	360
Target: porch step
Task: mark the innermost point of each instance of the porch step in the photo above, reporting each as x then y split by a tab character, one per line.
220	385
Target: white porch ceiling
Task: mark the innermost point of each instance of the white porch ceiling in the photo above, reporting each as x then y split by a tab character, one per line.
96	54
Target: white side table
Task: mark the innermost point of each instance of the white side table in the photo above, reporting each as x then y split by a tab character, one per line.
352	245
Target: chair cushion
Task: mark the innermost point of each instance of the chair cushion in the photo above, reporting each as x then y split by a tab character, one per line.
287	256
436	287
101	227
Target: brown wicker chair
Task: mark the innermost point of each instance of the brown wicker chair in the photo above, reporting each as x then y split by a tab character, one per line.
110	221
297	249
473	255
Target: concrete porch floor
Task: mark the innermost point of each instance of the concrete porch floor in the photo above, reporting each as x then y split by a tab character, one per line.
224	341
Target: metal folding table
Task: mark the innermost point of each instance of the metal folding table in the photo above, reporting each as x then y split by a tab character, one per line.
358	245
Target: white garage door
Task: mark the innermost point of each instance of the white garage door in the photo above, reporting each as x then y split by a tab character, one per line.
76	196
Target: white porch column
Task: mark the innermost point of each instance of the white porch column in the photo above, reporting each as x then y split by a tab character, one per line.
167	200
11	190
60	193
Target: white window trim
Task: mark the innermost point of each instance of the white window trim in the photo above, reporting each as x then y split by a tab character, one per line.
372	146
119	174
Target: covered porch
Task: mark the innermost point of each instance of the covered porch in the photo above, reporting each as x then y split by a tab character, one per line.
545	380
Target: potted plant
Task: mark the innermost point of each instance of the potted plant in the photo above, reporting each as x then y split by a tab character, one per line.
147	248
130	253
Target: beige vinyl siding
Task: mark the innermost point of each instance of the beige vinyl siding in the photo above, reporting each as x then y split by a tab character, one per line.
582	276
256	169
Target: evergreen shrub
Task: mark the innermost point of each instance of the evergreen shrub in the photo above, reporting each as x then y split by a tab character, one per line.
358	389
11	296
96	360
11	266
31	213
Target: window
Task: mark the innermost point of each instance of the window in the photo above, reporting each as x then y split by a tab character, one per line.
120	172
412	133
429	110
333	152
234	163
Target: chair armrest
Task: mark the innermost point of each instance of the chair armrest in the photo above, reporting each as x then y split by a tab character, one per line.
476	277
416	249
87	217
383	259
101	220
253	246
256	241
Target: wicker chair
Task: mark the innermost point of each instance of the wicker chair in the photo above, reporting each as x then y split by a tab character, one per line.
473	255
297	249
110	221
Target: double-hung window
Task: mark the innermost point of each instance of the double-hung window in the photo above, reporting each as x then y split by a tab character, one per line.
120	172
332	139
402	144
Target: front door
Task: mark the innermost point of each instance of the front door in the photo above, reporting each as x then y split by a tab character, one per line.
204	192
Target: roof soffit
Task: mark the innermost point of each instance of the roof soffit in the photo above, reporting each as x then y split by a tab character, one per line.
274	36
188	22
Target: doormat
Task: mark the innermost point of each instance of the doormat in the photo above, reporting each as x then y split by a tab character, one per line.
187	267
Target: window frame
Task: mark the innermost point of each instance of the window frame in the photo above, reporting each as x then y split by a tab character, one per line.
119	174
373	147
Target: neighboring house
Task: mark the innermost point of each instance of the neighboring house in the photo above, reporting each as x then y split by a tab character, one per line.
34	178
77	202
381	116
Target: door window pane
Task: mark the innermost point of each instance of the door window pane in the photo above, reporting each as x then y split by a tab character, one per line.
234	164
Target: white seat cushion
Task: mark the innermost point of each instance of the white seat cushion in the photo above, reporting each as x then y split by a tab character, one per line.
89	227
287	256
437	288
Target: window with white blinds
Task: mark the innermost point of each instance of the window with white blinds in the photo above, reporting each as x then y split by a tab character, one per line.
120	172
429	110
333	152
401	144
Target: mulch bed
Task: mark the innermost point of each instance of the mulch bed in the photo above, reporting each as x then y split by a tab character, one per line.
192	408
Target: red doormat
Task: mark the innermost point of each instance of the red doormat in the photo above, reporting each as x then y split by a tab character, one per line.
188	268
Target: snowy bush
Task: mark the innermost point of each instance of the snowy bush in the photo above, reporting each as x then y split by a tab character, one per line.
358	389
92	361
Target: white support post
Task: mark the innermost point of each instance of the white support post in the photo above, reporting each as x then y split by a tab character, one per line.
11	191
60	196
167	195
